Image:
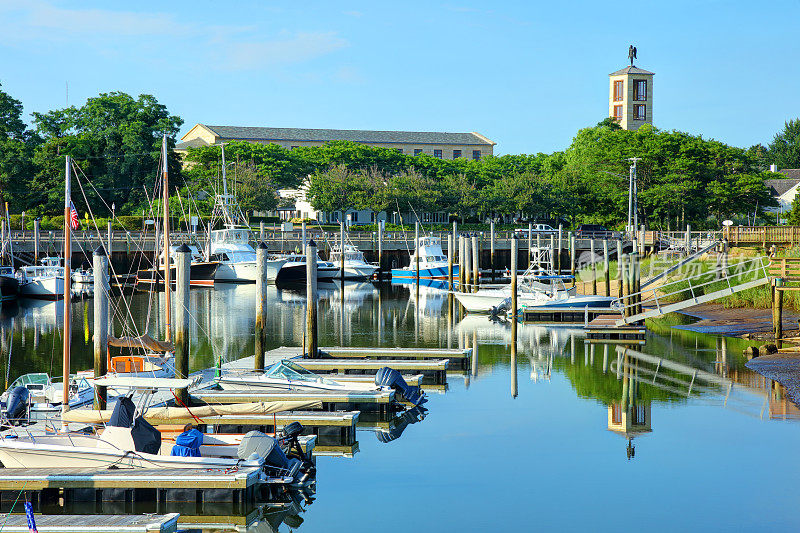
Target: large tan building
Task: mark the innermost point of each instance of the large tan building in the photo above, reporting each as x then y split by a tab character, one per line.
438	144
630	97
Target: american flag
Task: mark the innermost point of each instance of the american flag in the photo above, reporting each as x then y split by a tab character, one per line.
31	520
73	216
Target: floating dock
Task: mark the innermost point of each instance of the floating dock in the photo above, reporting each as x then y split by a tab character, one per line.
380	401
604	329
167	523
436	369
560	314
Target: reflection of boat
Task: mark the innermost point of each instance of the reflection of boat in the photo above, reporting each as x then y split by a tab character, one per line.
432	261
294	269
355	267
9	284
399	424
45	281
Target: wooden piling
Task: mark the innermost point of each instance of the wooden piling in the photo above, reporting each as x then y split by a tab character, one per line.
450	262
777	309
553	253
572	254
619	268
530	244
341	253
476	264
491	247
416	253
36	241
623	283
110	236
606	268
182	269
261	231
101	287
262	255
455	235
380	248
312	346
461	269
594	267
560	244
467	266
514	244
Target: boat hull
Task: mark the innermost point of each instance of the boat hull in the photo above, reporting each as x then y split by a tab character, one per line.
200	274
50	288
439	272
297	272
9	288
483	301
255	383
246	271
359	272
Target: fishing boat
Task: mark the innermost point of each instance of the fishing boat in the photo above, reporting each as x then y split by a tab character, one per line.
355	267
288	376
294	269
9	284
432	261
201	272
45	281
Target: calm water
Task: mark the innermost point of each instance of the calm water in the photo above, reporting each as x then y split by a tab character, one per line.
570	437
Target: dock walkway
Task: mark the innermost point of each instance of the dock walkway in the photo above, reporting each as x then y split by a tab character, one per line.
149	523
331	401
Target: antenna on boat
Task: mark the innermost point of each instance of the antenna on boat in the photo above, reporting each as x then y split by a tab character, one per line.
67	285
167	276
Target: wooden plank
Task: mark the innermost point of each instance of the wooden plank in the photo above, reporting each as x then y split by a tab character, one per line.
217	396
148	523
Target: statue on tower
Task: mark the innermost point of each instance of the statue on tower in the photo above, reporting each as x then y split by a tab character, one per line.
631	53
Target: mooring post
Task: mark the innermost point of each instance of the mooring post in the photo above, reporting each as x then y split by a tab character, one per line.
560	244
261	231
455	235
101	286
312	351
476	263
467	265
606	268
36	241
642	247
110	235
514	244
619	268
182	266
553	254
688	239
624	284
491	246
416	253
572	255
460	263
777	310
341	252
594	267
637	297
262	255
380	247
530	244
450	262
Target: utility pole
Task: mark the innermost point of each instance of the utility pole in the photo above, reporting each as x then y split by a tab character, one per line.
633	218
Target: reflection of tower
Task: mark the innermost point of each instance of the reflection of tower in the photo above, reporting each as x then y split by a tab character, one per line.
628	417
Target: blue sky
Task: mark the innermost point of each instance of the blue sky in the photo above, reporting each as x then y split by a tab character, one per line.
526	74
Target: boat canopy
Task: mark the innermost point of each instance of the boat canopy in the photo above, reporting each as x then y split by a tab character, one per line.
136	382
142	341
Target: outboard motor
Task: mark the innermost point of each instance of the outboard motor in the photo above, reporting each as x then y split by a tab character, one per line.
501	308
388	377
289	436
17	406
257	444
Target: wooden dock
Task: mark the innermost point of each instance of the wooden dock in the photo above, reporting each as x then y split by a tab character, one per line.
338	424
142	484
380	401
564	314
55	523
604	329
435	368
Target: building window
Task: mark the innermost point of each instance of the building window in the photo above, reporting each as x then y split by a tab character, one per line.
399	150
618	87
456	154
640	90
354	216
639	112
617	112
476	154
437	153
417	151
293	147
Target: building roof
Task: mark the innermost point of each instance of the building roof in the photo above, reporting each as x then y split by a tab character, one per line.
780	187
793	173
197	142
364	136
631	70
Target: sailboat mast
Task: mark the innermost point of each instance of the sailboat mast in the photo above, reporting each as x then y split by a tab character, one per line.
225	212
67	283
167	274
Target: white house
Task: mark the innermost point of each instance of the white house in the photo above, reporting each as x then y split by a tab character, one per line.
784	190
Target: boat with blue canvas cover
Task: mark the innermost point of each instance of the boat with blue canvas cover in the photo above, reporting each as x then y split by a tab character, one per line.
432	262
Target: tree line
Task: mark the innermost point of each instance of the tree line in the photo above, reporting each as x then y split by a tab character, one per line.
115	140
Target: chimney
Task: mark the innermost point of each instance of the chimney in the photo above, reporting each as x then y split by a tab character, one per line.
773	167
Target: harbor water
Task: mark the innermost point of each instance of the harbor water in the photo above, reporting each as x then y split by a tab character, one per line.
674	435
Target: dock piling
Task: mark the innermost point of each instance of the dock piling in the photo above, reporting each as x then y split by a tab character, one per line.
619	268
261	231
514	245
476	264
624	284
312	345
560	244
381	224
450	262
183	262
594	267
530	243
467	266
572	254
606	268
416	253
110	236
100	268
777	310
552	253
261	303
491	247
36	241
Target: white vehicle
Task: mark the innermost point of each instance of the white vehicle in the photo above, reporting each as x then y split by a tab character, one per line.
237	259
537	229
355	267
45	281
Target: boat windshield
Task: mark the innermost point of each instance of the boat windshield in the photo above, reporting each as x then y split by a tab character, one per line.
38	378
286	369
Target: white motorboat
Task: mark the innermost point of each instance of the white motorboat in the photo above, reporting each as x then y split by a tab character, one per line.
288	376
432	261
46	394
355	267
237	258
45	281
294	269
83	277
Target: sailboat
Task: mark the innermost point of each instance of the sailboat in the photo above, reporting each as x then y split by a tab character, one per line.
230	245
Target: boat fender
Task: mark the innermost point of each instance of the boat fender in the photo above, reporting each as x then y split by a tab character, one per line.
17	405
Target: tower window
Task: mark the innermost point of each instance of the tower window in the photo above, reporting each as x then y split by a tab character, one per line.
639	112
618	112
640	90
618	87
456	154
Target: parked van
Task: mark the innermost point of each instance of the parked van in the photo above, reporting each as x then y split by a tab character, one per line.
537	229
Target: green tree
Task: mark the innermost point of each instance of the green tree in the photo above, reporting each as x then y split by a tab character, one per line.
16	153
784	150
337	189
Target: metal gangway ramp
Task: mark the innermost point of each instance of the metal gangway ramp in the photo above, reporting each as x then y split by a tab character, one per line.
721	281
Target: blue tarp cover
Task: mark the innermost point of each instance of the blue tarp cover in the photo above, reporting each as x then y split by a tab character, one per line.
187	444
